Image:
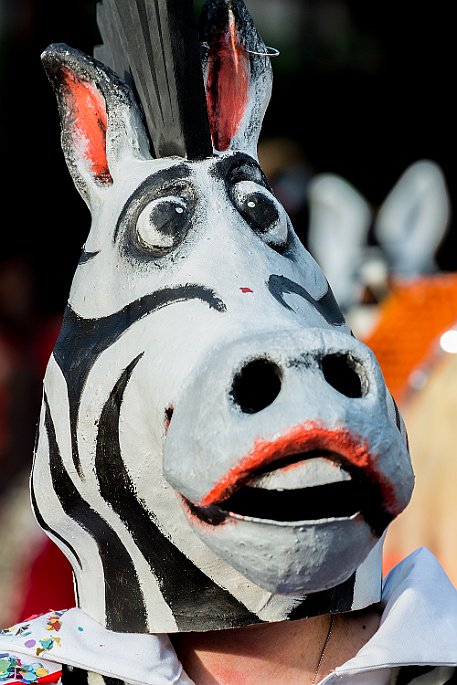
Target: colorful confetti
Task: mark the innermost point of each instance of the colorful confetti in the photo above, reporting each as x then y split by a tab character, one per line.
23	630
47	644
54	622
13	631
12	667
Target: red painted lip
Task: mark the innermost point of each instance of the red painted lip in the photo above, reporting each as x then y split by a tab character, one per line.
308	437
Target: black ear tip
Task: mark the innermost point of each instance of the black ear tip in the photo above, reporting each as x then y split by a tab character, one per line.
217	15
58	55
55	51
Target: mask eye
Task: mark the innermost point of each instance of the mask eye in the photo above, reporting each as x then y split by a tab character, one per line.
163	223
260	209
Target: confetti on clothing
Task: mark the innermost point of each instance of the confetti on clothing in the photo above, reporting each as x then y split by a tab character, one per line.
53	623
13	670
69	645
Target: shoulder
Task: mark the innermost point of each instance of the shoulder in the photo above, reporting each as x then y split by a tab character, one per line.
24	649
417	633
72	648
419	620
15	668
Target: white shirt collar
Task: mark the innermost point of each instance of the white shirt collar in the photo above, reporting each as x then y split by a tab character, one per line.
418	626
75	639
419	620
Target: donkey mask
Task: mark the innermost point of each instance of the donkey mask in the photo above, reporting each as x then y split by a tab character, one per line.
215	448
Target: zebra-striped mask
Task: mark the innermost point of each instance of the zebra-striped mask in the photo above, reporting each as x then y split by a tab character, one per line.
215	448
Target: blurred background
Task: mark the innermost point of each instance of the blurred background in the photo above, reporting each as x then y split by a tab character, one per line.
362	92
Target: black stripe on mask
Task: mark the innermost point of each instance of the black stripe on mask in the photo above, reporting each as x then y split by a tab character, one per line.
82	341
42	523
78	676
326	306
334	600
408	675
124	598
183	585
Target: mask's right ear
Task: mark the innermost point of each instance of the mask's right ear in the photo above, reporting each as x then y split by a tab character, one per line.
100	122
238	75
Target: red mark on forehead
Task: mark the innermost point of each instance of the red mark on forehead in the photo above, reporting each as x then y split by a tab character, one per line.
227	85
246	290
88	121
306	437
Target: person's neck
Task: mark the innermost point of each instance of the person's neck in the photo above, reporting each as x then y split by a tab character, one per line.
285	653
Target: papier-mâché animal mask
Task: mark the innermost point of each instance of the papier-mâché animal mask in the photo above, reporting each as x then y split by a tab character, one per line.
215	448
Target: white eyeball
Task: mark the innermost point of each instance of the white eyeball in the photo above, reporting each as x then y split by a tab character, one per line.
163	223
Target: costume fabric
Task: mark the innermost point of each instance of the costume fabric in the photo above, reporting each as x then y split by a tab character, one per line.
416	642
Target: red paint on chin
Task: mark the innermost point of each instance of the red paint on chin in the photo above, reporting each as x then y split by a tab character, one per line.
306	437
88	116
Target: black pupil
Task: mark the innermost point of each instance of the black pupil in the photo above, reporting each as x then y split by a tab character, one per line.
259	211
169	217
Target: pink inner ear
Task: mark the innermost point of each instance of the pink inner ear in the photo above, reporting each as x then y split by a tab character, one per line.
227	86
88	120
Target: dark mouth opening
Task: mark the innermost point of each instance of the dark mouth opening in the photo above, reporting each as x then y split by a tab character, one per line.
341	499
332	500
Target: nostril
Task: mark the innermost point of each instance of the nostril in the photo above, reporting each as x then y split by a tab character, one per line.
340	371
256	385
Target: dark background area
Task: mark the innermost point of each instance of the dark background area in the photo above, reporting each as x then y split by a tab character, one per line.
365	88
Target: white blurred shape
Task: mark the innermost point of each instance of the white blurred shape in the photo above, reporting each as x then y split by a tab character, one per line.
448	341
338	227
413	219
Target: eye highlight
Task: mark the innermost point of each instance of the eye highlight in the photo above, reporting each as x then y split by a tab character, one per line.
260	209
163	223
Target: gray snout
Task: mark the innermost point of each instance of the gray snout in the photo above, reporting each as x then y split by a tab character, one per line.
262	388
287	459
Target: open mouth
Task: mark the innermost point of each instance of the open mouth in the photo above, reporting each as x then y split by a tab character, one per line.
303	487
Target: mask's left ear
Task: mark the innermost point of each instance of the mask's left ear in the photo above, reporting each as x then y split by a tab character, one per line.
238	75
101	124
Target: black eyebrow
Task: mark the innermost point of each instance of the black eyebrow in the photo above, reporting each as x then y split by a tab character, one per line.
225	166
326	305
160	178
